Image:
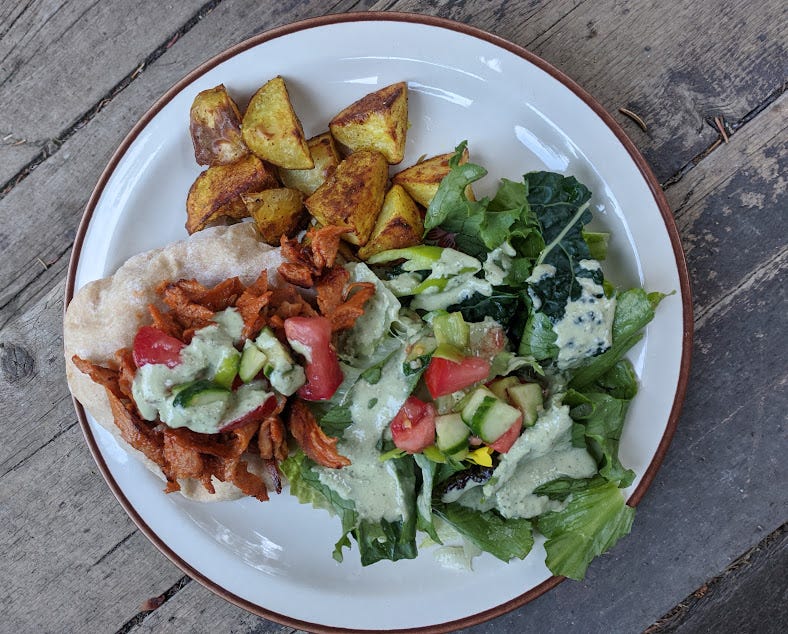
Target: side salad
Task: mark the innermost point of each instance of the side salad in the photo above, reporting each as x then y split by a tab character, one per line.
485	387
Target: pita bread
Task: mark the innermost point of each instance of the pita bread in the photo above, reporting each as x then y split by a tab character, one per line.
104	316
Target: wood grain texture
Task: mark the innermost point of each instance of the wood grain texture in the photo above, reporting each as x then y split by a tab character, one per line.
72	558
675	64
60	58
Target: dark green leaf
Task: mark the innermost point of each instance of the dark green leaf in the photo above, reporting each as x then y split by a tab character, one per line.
634	309
561	488
620	381
538	338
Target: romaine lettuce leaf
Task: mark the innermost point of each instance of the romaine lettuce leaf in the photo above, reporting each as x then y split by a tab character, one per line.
306	486
503	538
634	309
602	417
592	522
424	500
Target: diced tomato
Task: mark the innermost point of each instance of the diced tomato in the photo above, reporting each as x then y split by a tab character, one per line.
151	345
323	374
413	428
505	442
444	377
259	413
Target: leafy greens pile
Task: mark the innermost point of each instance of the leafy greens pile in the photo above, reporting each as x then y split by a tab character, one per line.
542	221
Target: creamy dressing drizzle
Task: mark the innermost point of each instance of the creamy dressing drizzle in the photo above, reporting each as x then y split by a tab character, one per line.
586	327
153	383
371	484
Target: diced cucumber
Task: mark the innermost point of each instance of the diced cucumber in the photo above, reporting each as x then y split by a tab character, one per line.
448	351
499	386
452	433
527	397
488	416
200	393
285	375
451	328
227	369
252	361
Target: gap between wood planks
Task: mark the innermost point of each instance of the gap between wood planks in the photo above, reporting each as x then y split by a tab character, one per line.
53	145
766	548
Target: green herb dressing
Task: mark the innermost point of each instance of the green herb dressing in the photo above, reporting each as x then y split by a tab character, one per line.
153	383
586	327
371	484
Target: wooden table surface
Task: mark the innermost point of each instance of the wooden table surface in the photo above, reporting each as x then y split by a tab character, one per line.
708	549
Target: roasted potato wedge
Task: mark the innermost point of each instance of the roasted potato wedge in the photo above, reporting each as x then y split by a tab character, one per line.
276	212
378	121
217	191
324	153
399	224
422	179
353	195
271	129
215	126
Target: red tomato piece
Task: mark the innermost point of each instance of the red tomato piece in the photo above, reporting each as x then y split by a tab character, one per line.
413	428
151	345
323	374
259	413
505	442
444	377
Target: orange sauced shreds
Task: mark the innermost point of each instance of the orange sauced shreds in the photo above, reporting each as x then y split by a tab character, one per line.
182	453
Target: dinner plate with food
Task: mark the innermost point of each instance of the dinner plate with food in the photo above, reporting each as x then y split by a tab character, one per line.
376	311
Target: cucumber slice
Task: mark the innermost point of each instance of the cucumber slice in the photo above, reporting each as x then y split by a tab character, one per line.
227	369
499	386
488	416
527	397
252	361
452	433
200	393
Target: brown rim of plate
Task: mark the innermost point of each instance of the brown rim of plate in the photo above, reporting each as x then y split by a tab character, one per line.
470	31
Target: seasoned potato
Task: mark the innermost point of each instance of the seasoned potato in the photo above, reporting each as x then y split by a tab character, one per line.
276	212
215	126
272	130
326	158
353	195
378	121
399	224
217	191
422	179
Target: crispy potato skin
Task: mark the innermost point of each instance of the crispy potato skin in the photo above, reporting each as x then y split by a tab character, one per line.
353	195
215	126
398	225
217	191
326	157
271	129
276	212
377	121
422	179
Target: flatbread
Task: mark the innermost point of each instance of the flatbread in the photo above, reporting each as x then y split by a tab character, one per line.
104	316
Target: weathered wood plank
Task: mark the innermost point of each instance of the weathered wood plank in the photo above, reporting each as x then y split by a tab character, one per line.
72	560
754	589
642	56
61	58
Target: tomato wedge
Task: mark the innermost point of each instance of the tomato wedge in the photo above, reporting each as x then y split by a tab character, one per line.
311	336
413	428
504	443
444	377
151	345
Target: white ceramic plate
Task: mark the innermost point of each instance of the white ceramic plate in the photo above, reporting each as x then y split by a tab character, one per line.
518	114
